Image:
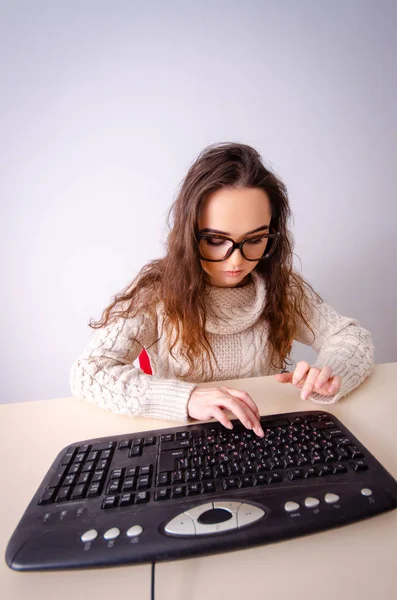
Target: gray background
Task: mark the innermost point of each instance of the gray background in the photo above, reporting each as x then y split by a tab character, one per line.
104	106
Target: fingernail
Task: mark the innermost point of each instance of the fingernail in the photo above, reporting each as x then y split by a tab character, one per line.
230	426
294	381
332	390
320	383
261	432
304	395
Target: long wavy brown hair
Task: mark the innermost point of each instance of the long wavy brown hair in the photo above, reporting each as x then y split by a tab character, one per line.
179	281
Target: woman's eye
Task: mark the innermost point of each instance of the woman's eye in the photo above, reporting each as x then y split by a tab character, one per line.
215	241
256	241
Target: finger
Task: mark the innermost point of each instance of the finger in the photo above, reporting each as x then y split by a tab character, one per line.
284	377
221	417
324	376
245	397
335	385
302	368
242	412
331	387
309	383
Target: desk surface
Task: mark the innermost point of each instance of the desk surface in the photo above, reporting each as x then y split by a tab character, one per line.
355	561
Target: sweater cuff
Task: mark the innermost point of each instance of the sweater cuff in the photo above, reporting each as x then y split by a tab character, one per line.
166	399
350	379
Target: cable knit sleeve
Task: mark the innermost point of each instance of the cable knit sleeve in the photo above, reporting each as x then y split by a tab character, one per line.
105	375
342	344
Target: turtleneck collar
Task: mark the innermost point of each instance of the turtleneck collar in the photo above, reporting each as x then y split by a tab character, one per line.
232	310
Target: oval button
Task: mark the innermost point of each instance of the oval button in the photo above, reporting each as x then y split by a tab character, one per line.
89	535
248	513
181	525
366	492
331	498
311	502
134	531
291	506
112	533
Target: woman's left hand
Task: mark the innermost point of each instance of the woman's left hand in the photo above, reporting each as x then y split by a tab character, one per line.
310	379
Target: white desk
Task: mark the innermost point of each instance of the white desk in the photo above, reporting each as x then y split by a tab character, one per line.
357	561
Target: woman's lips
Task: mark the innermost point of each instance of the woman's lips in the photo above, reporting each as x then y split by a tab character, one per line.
233	273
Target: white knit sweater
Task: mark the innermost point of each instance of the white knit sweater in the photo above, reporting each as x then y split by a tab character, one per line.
105	374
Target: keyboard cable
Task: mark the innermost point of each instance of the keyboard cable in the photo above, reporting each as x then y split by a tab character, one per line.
152	585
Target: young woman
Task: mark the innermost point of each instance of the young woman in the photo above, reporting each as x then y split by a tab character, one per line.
223	303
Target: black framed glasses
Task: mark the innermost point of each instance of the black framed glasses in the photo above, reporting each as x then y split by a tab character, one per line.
214	247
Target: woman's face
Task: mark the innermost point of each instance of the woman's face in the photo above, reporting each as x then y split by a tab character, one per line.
234	213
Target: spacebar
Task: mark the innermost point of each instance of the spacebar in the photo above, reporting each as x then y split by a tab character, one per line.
167	459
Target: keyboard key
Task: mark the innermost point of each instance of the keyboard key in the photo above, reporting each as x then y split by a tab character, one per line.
247	481
275	477
68	457
47	497
325	470
103	446
191	475
63	494
135	451
142	497
167	437
110	502
341	441
114	486
208	486
311	472
261	478
98	476
84	477
79	457
116	473
74	468
355	452
70	479
78	492
149	441
358	465
193	489
94	490
128	484
162	494
178	491
163	479
296	474
102	464
124	444
126	499
143	481
131	471
231	483
88	467
56	479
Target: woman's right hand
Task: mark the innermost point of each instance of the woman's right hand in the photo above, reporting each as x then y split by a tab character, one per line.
205	403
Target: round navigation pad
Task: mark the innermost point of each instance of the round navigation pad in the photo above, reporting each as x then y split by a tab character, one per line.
214	515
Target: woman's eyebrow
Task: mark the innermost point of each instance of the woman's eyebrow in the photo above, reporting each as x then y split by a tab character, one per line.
208	230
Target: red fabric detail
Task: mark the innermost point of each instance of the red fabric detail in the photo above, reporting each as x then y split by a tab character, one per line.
144	363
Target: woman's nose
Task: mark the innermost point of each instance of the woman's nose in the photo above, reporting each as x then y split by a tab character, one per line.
236	259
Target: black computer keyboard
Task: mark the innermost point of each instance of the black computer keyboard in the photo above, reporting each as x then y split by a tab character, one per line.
198	489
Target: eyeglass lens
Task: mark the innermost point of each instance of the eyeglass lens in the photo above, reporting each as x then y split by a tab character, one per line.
216	248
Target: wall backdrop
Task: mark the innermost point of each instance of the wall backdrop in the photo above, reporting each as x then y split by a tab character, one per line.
105	105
